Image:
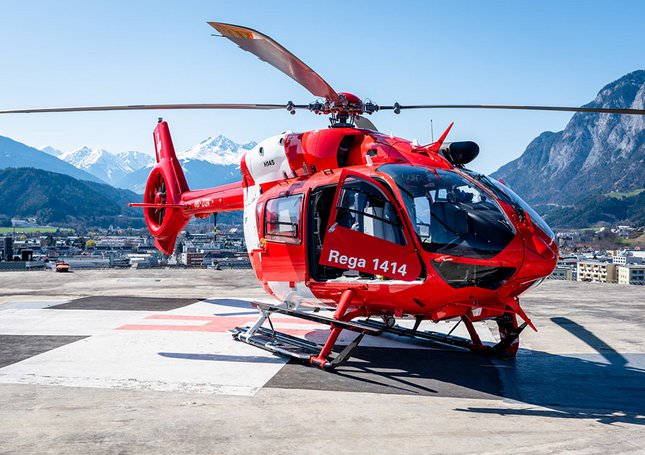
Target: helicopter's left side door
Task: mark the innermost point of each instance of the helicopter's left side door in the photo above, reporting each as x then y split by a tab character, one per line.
365	232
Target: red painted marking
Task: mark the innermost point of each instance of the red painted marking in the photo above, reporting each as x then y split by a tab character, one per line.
174	328
177	317
250	317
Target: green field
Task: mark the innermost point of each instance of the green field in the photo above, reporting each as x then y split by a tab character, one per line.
34	230
623	195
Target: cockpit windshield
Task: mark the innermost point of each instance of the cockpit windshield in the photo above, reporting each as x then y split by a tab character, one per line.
507	195
450	214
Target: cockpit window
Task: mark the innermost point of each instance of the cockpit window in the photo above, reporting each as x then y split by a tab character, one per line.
364	208
450	214
508	195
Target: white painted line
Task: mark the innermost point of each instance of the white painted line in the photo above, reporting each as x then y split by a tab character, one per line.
64	322
163	361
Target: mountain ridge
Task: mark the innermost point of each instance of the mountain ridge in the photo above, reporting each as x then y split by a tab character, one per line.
594	154
14	154
58	198
219	150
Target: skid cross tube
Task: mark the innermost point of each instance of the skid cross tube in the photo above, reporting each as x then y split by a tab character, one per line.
304	350
316	317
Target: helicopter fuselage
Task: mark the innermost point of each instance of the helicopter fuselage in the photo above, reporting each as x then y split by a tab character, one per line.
408	231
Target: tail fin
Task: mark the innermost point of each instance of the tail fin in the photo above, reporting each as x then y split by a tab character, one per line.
168	204
164	188
165	150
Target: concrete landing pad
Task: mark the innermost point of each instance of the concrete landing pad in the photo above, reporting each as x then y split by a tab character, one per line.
98	366
179	345
190	350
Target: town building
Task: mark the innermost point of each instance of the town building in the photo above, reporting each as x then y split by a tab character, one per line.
192	259
631	274
563	273
624	260
598	272
567	261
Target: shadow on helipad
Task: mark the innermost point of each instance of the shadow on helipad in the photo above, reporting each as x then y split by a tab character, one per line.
434	372
221	357
607	386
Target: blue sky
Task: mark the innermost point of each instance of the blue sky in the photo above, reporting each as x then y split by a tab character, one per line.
68	53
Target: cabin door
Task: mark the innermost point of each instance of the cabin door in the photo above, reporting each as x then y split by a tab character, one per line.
365	235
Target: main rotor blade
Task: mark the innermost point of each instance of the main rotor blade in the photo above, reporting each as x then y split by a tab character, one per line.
600	110
270	51
144	107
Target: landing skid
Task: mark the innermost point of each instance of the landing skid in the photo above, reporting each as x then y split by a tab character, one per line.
429	336
474	345
297	348
322	356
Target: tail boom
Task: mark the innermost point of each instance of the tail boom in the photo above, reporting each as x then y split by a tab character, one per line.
225	198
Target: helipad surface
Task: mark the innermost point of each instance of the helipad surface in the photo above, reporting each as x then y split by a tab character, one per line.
142	362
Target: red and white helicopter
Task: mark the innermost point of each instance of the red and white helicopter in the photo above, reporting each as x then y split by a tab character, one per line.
369	225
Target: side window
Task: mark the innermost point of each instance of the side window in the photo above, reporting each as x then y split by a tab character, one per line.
364	208
422	219
282	219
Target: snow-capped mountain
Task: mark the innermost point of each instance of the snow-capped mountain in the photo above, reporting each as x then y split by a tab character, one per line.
217	150
109	167
212	162
133	160
85	157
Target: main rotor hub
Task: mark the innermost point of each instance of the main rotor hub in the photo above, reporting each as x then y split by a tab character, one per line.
341	114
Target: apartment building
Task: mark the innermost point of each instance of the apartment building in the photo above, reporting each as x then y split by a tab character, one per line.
631	274
598	272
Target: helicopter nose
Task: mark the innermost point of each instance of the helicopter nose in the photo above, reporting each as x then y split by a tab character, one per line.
546	249
541	255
